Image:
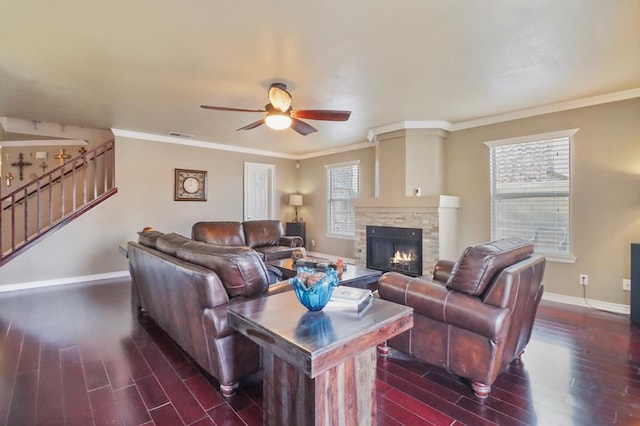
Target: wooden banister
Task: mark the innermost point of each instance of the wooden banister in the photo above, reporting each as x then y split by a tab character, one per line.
49	202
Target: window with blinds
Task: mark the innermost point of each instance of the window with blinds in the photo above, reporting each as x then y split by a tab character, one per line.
342	187
530	192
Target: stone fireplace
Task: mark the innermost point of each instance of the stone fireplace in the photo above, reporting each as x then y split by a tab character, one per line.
391	248
436	217
408	182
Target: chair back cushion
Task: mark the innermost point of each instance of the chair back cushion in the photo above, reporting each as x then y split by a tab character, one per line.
168	243
240	269
148	239
260	233
479	264
221	233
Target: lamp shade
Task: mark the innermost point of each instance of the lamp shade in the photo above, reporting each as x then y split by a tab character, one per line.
295	200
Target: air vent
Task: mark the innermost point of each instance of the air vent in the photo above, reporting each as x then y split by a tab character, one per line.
180	135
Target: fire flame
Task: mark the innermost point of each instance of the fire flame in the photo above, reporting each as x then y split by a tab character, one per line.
401	256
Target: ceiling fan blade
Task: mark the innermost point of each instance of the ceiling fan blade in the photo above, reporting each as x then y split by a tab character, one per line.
322	114
301	127
279	97
219	108
252	125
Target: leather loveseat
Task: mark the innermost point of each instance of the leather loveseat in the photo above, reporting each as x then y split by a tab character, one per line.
264	236
472	317
185	286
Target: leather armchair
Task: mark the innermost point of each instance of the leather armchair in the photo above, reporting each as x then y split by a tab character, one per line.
472	317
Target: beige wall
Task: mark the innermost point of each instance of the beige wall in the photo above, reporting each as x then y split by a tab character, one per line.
605	199
605	209
313	183
145	176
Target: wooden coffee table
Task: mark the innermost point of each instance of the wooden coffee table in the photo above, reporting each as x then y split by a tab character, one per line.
353	276
319	367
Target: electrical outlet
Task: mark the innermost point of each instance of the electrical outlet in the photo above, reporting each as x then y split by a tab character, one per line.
584	279
626	284
313	243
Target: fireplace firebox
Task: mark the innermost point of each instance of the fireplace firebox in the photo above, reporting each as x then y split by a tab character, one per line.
395	249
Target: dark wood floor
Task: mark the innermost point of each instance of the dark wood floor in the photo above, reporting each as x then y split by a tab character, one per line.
76	355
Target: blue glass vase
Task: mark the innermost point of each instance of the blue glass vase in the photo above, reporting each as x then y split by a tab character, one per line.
315	296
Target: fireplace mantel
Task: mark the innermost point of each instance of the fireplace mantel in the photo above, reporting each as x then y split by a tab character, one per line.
406	203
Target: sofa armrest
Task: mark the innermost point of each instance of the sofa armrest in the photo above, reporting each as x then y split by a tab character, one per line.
433	300
291	241
442	270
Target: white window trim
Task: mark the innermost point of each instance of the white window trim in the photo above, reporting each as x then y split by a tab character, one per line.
532	138
568	133
342	164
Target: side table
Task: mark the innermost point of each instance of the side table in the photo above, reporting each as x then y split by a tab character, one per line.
319	367
297	229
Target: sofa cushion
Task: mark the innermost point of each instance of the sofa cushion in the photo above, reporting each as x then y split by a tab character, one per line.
240	269
260	233
168	243
149	238
221	233
479	264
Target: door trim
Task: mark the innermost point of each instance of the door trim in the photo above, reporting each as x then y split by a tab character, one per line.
272	192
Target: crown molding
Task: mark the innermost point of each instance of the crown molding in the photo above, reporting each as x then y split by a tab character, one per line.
548	109
401	125
346	148
43	142
198	143
223	147
406	125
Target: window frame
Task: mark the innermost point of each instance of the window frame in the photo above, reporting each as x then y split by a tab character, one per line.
569	256
330	229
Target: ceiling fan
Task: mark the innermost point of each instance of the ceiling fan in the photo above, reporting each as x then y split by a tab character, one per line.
281	116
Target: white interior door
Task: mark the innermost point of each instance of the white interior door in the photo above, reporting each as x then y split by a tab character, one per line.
259	181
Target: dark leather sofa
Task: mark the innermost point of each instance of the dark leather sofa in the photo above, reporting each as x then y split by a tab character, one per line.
185	286
472	317
264	236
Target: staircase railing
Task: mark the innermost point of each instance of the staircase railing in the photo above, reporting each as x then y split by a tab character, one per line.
49	202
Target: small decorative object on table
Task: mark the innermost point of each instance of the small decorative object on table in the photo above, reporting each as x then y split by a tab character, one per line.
297	254
313	289
146	229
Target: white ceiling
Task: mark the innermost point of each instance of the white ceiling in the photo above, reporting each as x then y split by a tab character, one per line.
147	66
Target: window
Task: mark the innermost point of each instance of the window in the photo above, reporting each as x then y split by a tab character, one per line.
342	187
530	191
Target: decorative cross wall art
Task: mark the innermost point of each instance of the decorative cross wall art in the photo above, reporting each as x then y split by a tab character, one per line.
20	165
61	156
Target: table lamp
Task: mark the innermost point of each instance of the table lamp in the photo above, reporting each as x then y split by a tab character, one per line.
295	200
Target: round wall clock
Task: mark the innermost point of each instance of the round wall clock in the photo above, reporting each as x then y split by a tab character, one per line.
190	185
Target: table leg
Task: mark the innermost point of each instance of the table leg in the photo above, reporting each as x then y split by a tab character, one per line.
342	395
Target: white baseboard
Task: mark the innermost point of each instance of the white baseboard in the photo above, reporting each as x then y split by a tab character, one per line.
62	281
579	301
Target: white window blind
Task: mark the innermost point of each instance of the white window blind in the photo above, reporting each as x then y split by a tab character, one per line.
342	187
530	193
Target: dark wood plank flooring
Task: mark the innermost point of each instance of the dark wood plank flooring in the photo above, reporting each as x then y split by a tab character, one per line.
78	355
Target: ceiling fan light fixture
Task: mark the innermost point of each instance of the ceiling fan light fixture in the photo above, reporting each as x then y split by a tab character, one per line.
279	98
278	121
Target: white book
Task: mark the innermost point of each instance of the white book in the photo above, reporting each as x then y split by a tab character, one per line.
349	298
